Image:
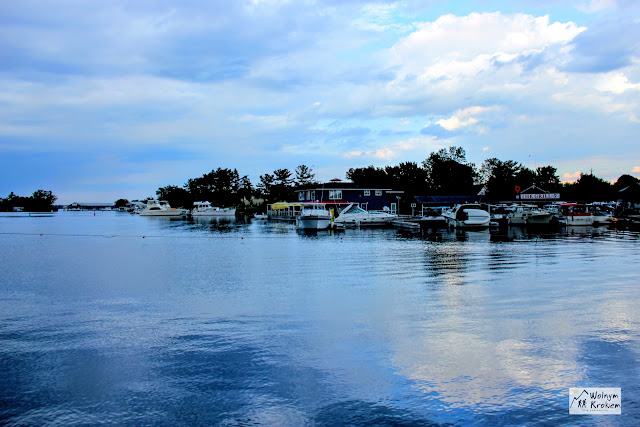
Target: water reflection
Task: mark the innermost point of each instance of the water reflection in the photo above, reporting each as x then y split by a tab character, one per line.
269	326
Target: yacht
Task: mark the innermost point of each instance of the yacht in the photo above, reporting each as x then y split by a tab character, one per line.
162	208
470	215
205	209
529	215
354	215
574	214
313	217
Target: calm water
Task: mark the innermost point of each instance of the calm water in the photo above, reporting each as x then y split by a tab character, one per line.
245	323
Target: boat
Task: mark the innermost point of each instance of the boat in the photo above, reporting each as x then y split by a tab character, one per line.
162	208
529	215
601	215
354	215
469	215
432	216
572	214
313	217
205	209
260	216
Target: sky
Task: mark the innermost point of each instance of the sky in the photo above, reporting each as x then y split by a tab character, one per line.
101	100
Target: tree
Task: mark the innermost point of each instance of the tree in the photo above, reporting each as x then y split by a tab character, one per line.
547	179
624	181
176	196
121	203
369	176
501	178
42	200
304	176
245	190
265	185
282	188
449	173
589	188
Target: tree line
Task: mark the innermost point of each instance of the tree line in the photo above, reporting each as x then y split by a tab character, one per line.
39	201
444	172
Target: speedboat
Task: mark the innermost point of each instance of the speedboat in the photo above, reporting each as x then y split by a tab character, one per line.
260	216
205	209
529	215
470	215
162	208
313	217
601	215
574	214
354	215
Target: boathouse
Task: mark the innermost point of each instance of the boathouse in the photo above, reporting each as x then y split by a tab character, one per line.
369	198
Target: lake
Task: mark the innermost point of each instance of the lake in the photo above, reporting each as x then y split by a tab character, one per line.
120	319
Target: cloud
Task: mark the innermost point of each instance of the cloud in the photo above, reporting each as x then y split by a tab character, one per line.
596	5
636	169
617	83
571	177
464	118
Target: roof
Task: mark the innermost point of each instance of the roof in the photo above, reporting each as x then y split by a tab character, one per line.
338	186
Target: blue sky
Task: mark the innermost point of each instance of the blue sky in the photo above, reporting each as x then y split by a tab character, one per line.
101	100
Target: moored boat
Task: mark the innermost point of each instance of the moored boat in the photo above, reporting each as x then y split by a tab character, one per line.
313	217
354	215
529	215
163	209
470	215
205	209
572	214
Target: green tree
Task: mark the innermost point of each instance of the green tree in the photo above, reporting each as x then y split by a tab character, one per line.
449	173
265	185
304	176
369	176
178	197
282	188
42	201
121	203
547	179
589	188
501	178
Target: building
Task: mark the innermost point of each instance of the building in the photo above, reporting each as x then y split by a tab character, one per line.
368	198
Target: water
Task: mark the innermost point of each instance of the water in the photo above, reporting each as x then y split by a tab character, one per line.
122	319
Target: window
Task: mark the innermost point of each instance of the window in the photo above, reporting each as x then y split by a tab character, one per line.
378	192
335	194
313	195
367	193
301	195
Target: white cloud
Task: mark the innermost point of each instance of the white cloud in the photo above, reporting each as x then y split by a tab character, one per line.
616	82
596	5
636	169
464	118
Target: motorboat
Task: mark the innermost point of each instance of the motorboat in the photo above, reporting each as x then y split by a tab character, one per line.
469	215
260	216
601	215
205	209
529	215
432	217
572	214
313	217
163	209
354	215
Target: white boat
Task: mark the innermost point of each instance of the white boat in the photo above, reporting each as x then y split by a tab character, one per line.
354	215
601	215
162	208
467	216
572	214
260	216
313	217
205	209
529	215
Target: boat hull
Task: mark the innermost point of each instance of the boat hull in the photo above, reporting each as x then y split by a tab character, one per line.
540	219
574	220
227	213
313	222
